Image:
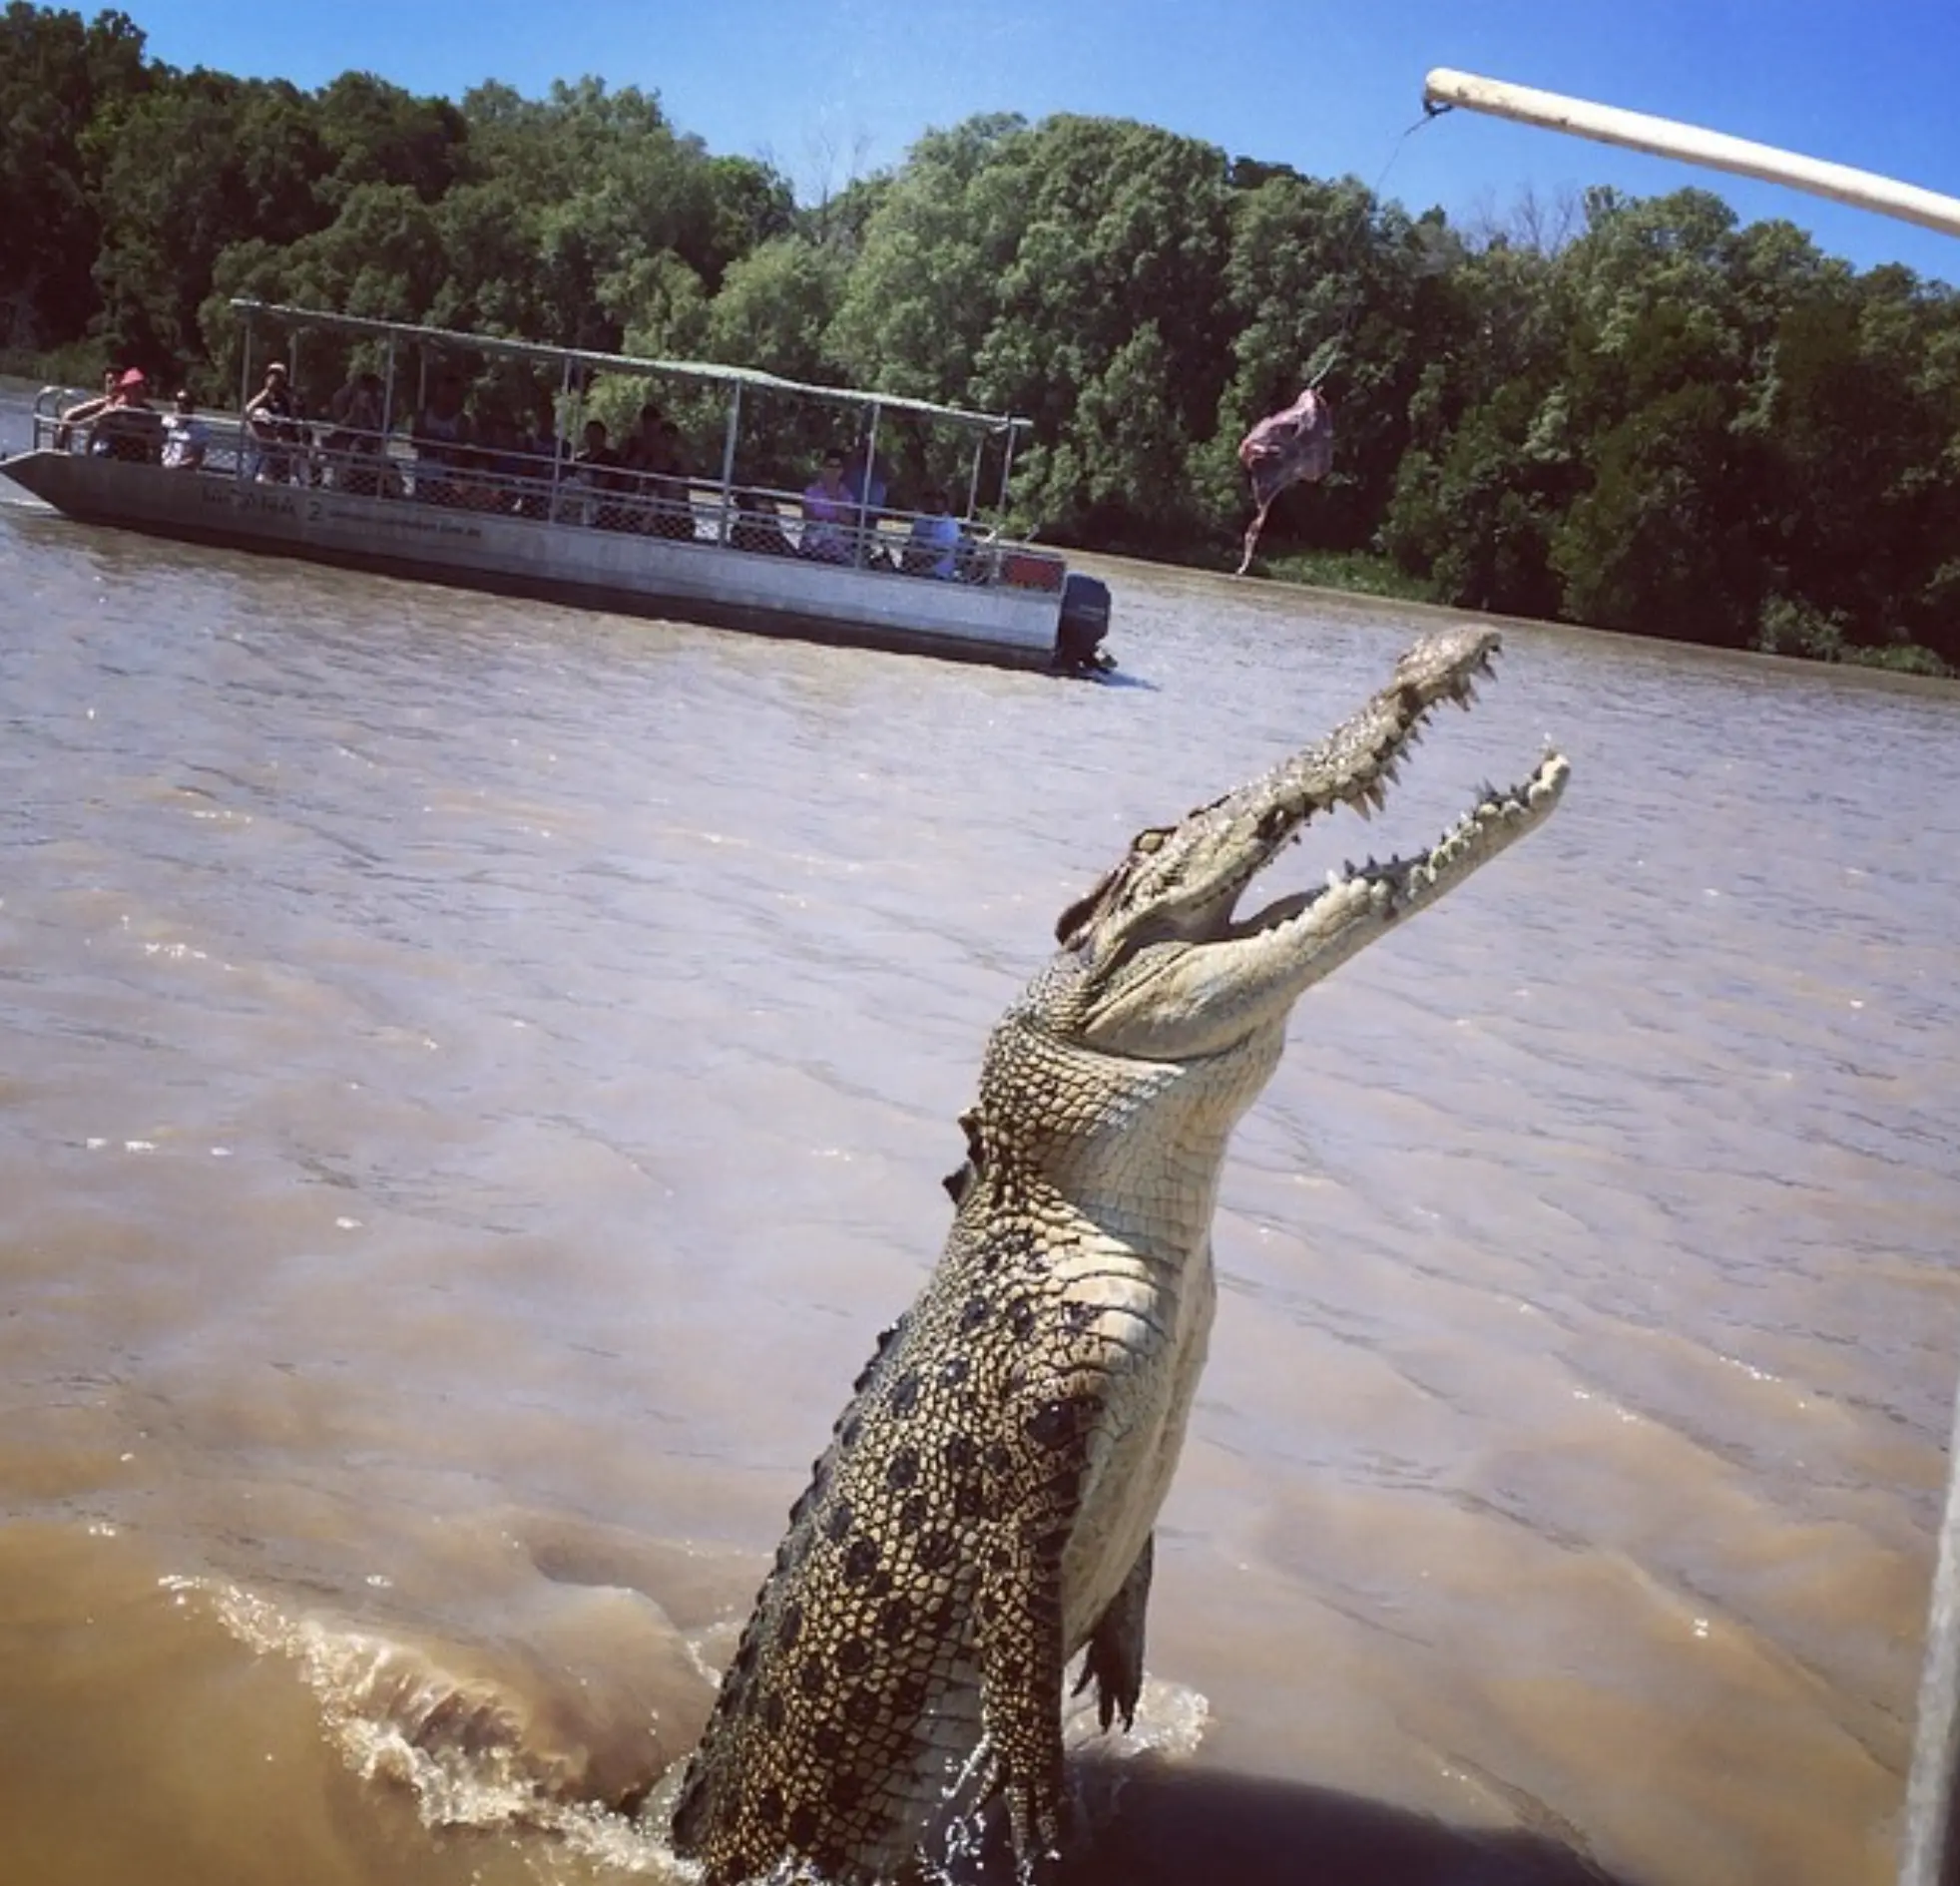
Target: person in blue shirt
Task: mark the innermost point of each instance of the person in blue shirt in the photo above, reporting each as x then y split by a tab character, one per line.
830	514
933	548
868	478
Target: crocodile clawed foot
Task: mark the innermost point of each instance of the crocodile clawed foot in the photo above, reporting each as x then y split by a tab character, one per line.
1117	1685
1035	1828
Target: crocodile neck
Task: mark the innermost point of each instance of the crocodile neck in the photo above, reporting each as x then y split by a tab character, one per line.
1132	1149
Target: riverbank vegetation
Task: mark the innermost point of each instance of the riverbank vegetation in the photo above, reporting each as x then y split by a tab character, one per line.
1634	413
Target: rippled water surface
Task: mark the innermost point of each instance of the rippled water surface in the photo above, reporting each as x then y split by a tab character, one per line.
477	1077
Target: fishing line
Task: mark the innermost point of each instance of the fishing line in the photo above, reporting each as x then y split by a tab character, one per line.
1298	443
1337	346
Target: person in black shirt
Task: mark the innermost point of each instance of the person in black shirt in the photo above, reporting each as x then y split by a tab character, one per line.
602	470
273	417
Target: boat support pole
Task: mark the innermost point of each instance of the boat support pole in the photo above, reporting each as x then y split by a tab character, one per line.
863	551
1665	137
560	412
727	464
389	399
1006	472
245	395
973	482
575	389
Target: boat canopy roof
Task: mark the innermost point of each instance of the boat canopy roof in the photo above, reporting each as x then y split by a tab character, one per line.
708	370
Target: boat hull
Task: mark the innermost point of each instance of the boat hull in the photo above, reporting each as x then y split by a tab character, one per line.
621	571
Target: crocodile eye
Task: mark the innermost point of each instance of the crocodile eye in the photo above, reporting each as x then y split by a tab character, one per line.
1150	841
1275	822
1073	919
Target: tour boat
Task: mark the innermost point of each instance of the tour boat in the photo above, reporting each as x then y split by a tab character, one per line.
376	487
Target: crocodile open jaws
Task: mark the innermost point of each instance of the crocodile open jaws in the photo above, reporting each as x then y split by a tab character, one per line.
984	1511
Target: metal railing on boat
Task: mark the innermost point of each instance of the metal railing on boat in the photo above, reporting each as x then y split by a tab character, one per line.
559	491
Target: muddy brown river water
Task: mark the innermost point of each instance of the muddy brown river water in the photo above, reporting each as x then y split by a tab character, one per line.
476	1078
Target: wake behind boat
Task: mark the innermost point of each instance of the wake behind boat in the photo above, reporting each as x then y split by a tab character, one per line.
499	499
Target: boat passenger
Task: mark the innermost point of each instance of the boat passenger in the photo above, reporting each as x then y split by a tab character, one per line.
674	515
757	526
472	482
641	450
828	514
935	541
536	447
867	479
273	417
603	473
440	433
654	452
356	408
644	453
129	426
83	411
186	437
355	445
505	463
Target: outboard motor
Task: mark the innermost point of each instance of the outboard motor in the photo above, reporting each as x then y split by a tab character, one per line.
1085	621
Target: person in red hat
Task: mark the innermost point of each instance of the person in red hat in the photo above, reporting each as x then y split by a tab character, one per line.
122	423
83	411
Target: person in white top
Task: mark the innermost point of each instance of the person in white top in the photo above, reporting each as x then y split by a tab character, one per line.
186	437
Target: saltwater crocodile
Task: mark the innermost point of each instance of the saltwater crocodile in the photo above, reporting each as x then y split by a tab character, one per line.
984	1510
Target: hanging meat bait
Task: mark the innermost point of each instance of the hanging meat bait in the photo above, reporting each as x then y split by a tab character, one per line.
1287	449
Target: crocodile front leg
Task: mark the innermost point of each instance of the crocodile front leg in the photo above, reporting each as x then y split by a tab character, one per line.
1115	1646
1018	1612
1020	1620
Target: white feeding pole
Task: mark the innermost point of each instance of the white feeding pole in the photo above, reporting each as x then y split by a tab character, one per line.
1665	137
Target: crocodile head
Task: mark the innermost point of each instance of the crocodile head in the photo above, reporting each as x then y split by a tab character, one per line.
1160	964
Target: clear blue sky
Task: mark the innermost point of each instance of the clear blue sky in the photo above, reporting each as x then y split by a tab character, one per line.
826	88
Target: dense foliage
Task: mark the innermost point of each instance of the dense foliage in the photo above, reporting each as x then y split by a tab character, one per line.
1654	420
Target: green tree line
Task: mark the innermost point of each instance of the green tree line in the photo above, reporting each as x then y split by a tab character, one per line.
1653	418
